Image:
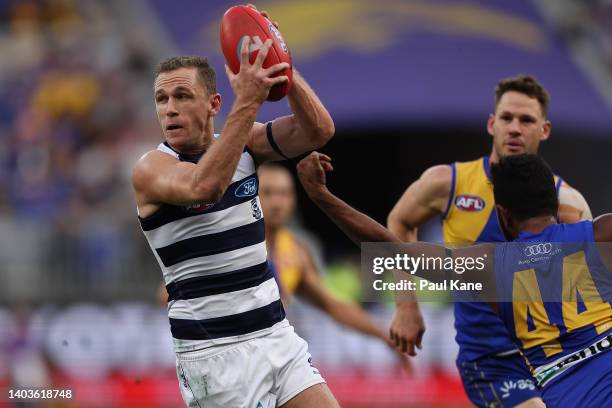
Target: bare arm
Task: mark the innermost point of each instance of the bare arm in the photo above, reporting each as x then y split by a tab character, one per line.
572	205
160	178
602	228
407	327
422	200
309	127
361	228
344	313
355	225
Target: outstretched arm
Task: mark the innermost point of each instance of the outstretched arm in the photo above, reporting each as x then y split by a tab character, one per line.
344	313
356	225
407	327
347	314
309	127
422	200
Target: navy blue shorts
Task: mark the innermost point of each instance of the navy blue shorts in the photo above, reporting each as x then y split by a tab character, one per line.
587	385
496	381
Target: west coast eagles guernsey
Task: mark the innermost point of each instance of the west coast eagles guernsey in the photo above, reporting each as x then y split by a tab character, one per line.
560	312
471	217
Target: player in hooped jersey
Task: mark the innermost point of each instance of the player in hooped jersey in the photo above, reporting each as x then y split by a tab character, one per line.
463	195
558	309
198	206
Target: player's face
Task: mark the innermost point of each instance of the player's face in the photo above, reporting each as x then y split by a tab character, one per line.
277	195
184	108
518	125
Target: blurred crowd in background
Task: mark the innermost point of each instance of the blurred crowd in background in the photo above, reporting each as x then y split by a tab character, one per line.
78	283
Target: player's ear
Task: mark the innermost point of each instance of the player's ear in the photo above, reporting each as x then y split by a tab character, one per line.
546	128
215	104
490	123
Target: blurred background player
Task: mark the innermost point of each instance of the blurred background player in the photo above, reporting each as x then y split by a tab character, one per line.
197	202
292	262
463	195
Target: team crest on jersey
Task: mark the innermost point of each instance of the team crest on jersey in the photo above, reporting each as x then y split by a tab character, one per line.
255	208
470	203
247	188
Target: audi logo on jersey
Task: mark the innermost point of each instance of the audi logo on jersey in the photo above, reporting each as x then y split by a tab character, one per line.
538	249
469	203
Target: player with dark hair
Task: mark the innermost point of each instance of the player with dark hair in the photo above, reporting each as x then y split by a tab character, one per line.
462	194
565	335
198	206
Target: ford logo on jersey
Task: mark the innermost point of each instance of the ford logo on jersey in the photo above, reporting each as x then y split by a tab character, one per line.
247	188
469	203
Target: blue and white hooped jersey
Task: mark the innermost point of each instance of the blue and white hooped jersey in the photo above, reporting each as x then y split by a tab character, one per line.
214	261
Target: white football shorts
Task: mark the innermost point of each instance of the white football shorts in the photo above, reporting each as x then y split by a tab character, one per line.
263	372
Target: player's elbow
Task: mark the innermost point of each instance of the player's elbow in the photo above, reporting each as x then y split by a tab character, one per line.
210	191
323	133
394	221
397	224
328	130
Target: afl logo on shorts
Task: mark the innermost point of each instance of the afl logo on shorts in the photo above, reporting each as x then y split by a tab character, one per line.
248	188
470	203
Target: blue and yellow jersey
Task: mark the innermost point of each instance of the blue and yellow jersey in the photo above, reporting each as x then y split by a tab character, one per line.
560	310
471	217
286	262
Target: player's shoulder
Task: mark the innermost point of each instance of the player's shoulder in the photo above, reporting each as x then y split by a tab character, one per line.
437	179
149	164
439	173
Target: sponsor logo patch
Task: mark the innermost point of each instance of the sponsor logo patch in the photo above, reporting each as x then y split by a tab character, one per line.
469	203
538	249
248	188
510	385
197	208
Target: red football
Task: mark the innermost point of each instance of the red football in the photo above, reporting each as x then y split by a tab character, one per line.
240	21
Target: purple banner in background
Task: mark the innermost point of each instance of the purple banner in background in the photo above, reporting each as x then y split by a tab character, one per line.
406	61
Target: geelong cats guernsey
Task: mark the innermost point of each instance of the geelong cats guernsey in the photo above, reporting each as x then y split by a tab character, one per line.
213	259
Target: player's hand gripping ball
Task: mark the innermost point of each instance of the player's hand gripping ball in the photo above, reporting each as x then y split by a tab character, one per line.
241	21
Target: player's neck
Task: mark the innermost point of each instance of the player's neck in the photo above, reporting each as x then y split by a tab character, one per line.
493	157
536	224
200	148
